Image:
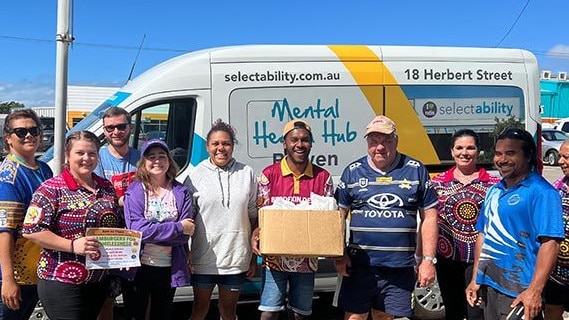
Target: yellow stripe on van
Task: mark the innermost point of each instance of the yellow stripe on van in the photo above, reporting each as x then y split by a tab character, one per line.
371	75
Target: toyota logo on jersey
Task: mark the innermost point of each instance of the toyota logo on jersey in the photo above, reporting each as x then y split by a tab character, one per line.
385	201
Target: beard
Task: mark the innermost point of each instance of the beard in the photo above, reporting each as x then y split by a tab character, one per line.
118	143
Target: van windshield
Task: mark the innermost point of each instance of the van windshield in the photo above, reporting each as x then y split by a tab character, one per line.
84	124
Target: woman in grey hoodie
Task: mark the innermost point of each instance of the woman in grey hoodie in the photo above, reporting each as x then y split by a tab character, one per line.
225	211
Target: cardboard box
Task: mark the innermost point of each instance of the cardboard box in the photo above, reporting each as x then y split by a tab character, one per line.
301	232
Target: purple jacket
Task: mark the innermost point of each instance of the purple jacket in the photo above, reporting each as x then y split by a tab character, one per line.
165	233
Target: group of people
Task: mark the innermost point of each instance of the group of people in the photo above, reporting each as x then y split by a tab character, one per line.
492	243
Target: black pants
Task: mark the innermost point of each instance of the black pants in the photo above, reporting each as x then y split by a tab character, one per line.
497	305
149	283
65	301
453	277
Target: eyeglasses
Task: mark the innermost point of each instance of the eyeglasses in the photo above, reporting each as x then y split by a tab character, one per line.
121	127
23	132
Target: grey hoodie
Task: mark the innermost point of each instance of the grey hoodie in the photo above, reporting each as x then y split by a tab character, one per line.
225	201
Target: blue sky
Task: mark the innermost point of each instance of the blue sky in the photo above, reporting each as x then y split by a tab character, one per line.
108	32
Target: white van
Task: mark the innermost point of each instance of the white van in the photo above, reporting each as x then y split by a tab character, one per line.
430	92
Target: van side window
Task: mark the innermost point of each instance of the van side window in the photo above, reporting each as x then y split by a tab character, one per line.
565	127
171	121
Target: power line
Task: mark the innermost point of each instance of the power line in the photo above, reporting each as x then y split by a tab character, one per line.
96	45
136	48
513	24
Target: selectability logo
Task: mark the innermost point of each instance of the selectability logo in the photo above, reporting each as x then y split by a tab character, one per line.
456	108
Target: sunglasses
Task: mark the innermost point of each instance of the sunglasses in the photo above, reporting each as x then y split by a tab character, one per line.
514	133
23	132
121	127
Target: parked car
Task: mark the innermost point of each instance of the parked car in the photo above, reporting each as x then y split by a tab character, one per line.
47	140
551	141
561	124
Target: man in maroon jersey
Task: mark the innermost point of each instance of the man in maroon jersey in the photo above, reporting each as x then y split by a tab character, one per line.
292	179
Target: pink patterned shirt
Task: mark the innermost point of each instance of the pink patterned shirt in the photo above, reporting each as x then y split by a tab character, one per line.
65	208
458	210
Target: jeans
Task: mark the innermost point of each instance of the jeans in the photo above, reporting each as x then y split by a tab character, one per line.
29	295
273	291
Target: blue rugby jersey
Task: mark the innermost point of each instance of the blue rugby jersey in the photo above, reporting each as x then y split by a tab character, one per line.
384	207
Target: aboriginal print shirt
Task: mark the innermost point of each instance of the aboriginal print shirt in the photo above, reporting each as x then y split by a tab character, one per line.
67	209
458	210
561	271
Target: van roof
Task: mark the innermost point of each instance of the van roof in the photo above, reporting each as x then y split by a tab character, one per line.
197	63
280	53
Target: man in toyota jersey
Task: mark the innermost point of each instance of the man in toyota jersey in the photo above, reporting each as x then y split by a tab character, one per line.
383	192
294	178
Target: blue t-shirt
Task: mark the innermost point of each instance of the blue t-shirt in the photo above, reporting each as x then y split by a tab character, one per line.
512	221
384	207
110	165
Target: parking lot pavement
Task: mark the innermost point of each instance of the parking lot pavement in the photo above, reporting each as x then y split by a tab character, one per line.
552	173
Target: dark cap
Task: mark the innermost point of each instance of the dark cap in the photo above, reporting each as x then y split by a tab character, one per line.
154	143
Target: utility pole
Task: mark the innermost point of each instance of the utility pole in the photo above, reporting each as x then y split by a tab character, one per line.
64	38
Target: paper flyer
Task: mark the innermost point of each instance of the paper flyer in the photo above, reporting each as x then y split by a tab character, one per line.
120	248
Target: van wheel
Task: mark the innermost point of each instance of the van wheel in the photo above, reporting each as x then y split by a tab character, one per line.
551	158
428	302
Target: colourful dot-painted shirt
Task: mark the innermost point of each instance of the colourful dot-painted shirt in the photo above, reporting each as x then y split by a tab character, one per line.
458	210
67	209
561	272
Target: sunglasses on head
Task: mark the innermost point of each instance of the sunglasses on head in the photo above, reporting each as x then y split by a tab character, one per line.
23	132
121	127
512	133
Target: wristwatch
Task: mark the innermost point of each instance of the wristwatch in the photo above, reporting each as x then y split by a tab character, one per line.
432	260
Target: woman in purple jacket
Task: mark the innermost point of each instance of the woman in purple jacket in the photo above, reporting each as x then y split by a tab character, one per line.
159	207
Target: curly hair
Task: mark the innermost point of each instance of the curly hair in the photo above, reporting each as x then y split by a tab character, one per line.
220	125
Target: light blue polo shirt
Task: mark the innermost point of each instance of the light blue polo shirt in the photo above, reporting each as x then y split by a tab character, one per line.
512	221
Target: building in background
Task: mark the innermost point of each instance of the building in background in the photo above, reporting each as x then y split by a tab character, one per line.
554	96
81	100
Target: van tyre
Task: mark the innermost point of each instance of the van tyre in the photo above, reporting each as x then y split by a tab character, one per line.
551	157
428	302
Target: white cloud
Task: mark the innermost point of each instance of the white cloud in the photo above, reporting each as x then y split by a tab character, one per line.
560	51
29	93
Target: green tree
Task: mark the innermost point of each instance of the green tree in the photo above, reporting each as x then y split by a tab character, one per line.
501	124
6	107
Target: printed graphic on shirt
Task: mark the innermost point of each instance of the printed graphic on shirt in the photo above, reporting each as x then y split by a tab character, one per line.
33	215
